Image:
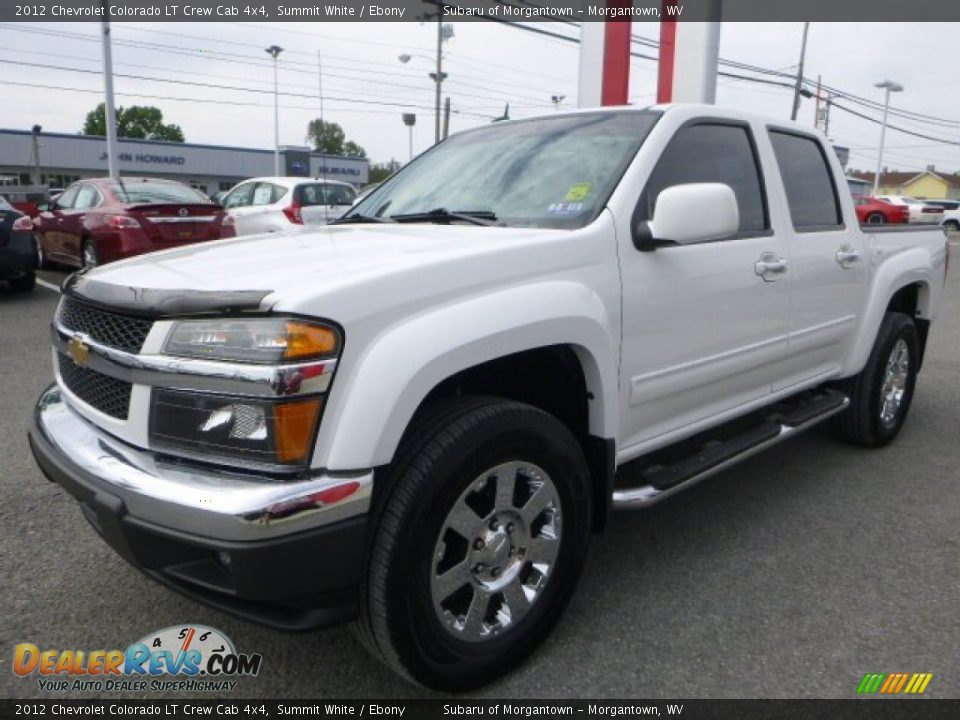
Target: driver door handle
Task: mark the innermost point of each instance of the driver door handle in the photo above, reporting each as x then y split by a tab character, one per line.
770	265
847	255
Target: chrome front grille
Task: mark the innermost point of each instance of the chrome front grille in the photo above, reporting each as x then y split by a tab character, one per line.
117	331
108	395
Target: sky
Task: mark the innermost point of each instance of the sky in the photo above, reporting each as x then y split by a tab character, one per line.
217	81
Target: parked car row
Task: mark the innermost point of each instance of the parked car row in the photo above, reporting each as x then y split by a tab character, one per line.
893	209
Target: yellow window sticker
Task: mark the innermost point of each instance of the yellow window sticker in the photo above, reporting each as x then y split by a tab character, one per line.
578	192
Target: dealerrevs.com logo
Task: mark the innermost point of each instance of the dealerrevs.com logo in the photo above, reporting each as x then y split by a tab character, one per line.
187	658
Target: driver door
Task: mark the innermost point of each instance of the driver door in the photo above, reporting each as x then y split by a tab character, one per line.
703	333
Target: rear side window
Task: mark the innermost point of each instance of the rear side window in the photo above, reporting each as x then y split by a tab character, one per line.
65	201
807	178
268	193
88	197
320	194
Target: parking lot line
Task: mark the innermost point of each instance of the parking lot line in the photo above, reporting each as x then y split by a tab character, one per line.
48	286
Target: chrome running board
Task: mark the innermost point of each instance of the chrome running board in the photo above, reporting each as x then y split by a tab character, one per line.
666	481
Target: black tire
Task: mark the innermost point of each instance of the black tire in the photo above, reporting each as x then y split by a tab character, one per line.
876	219
25	283
443	453
952	225
861	423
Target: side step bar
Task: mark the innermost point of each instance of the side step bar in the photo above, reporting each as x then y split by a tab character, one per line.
662	481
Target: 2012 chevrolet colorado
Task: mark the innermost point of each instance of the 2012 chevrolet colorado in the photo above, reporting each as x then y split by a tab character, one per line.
417	416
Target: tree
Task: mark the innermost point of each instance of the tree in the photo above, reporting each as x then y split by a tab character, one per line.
380	172
329	138
143	122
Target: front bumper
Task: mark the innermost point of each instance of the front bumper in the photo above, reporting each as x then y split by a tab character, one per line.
287	554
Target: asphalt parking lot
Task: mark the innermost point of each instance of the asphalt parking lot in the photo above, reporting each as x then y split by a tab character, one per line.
791	575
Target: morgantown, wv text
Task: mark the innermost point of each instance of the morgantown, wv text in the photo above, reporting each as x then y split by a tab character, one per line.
510	710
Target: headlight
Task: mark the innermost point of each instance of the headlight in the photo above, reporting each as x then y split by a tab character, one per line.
258	340
218	427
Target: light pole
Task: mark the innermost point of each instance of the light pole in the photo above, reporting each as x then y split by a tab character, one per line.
273	51
109	111
888	86
444	33
410	119
35	131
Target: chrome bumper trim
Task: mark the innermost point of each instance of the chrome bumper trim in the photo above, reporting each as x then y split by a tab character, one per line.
190	498
207	376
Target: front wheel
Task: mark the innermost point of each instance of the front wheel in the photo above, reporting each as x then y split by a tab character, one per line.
952	225
881	394
477	544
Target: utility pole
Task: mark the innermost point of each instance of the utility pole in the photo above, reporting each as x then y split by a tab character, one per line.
826	114
799	85
816	109
439	71
273	51
109	107
446	118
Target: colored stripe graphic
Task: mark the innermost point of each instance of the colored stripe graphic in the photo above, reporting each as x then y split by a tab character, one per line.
894	683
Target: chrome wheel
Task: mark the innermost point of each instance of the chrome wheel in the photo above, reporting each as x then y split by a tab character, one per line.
895	379
496	550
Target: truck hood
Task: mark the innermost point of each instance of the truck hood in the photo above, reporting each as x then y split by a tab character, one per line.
293	269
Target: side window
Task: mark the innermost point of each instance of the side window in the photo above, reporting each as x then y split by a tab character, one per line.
240	196
809	183
715	153
87	197
66	200
267	193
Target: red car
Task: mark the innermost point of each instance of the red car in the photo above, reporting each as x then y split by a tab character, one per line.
872	211
98	221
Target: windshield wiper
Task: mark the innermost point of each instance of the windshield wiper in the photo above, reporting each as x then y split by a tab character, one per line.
477	217
357	218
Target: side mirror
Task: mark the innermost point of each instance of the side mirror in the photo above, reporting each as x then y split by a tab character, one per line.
686	214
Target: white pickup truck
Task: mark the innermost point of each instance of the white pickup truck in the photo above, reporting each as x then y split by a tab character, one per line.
416	417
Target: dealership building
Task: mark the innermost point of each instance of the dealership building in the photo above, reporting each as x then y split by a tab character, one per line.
60	159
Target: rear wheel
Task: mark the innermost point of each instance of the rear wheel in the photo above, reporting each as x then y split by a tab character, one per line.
876	219
477	543
952	225
89	257
881	394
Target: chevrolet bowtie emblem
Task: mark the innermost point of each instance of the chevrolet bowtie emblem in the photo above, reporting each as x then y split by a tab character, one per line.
78	351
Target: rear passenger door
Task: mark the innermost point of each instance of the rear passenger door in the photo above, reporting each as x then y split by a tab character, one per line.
704	327
828	266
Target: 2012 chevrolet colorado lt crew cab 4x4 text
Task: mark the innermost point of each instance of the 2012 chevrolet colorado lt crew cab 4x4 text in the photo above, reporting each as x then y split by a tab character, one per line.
416	417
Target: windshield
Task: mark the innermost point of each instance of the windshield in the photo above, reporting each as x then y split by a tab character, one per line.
140	193
549	172
4	205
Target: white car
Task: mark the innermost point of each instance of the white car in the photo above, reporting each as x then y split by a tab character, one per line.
920	210
274	204
951	212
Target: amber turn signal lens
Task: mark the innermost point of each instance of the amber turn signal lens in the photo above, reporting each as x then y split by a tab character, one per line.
308	341
294	426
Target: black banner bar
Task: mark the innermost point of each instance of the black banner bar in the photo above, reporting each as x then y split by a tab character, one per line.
562	11
875	709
